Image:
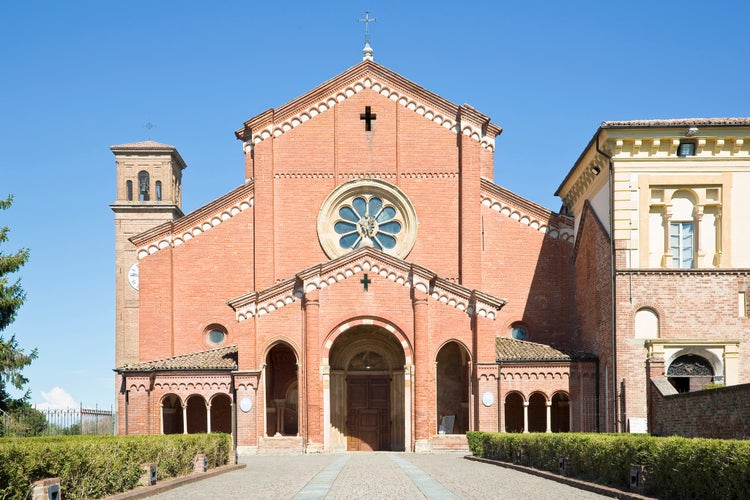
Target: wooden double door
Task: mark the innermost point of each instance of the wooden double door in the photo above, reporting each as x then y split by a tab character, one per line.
368	412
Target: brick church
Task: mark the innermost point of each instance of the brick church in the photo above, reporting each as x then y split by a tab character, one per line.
367	286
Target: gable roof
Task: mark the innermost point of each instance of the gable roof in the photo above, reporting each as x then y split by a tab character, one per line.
526	212
512	350
179	231
370	75
222	358
367	259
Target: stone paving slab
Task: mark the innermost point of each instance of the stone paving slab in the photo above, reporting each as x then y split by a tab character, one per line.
380	475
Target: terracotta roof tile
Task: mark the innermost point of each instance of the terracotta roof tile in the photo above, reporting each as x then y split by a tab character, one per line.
223	358
508	349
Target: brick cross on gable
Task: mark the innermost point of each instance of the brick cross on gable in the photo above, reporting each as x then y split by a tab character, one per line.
368	116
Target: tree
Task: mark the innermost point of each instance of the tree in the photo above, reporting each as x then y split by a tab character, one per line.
12	359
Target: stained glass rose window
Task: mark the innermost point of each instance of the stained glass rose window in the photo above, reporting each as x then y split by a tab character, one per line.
367	212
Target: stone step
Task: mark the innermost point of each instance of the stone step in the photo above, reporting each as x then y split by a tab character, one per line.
449	442
281	445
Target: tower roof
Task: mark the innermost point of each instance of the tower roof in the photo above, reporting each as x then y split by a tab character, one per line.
149	147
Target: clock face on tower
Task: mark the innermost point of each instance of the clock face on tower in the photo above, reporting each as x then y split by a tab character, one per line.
133	276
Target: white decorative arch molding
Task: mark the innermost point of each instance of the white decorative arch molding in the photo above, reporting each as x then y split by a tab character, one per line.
525	212
176	233
472	302
458	123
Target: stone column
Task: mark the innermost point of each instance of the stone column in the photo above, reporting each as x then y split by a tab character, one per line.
326	374
570	416
161	418
666	220
549	416
731	364
525	417
184	418
208	417
408	396
280	405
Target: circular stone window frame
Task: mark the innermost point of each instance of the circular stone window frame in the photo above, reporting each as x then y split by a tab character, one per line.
207	335
367	188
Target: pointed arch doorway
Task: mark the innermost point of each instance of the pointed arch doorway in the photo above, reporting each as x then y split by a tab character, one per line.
368	407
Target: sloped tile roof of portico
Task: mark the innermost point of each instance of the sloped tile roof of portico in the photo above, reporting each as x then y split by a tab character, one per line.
222	358
512	350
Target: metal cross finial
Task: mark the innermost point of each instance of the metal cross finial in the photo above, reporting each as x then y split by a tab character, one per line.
367	20
149	126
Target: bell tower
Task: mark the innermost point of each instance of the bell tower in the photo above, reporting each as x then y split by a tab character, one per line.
149	184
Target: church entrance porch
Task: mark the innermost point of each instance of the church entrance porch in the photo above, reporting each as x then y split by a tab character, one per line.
367	395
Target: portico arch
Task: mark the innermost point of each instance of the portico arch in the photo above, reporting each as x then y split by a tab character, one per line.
221	413
453	365
171	414
366	401
281	384
197	420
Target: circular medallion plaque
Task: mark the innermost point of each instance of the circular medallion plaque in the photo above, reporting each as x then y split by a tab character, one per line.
488	399
246	405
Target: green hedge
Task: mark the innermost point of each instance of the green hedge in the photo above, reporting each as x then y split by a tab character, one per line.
97	466
675	467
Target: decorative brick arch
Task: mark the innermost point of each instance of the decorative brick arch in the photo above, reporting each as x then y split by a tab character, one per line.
456	341
537	411
369	321
280	339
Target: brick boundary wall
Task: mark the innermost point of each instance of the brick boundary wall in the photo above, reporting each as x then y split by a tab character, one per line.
722	413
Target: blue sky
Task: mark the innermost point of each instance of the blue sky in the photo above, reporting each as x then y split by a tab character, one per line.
78	77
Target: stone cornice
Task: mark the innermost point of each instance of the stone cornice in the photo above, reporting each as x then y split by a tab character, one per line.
684	272
369	75
177	232
472	302
596	165
642	148
526	212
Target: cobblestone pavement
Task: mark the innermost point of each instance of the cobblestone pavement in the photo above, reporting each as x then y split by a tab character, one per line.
373	475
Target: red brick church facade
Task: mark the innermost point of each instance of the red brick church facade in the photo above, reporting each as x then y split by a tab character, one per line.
367	287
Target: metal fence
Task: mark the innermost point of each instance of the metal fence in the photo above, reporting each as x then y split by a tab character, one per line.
52	422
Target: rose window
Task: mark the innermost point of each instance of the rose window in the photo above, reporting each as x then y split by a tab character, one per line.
367	222
367	213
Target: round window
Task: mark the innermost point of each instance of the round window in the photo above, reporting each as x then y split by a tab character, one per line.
367	212
216	336
519	333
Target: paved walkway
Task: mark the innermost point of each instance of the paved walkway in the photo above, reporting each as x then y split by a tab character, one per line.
374	475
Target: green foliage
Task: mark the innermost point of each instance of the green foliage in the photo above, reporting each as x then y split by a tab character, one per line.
20	419
12	296
98	466
675	467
